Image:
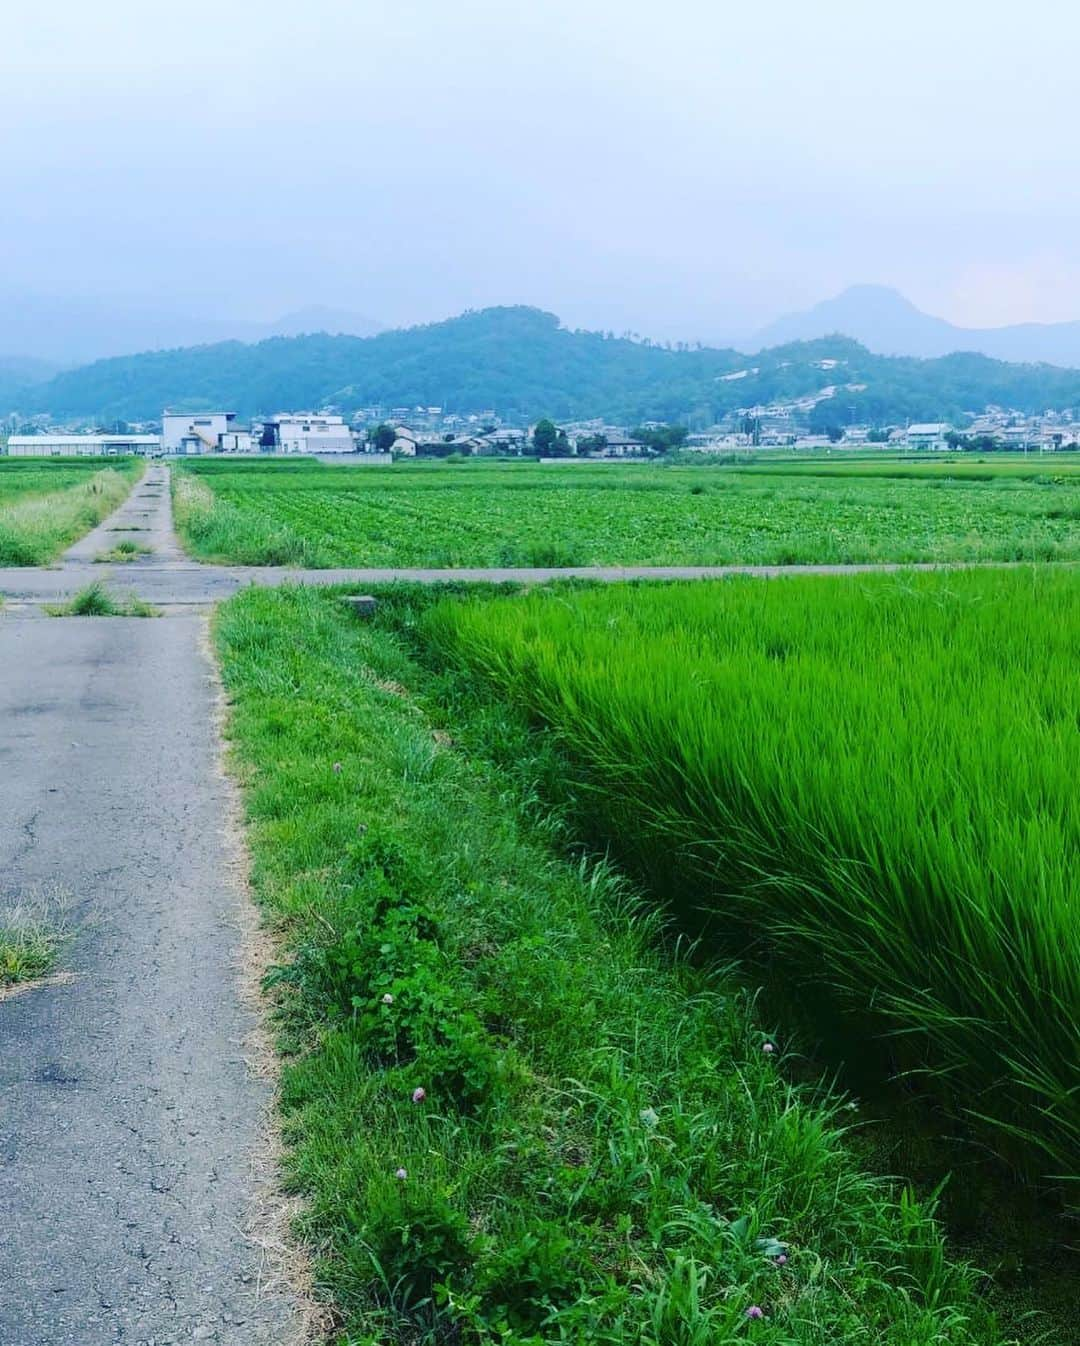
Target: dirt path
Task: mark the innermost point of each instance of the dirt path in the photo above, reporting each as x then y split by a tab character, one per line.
129	1122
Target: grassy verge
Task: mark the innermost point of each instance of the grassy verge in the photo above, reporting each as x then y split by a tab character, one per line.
36	528
216	530
519	1111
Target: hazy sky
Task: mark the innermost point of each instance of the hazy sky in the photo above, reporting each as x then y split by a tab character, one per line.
688	168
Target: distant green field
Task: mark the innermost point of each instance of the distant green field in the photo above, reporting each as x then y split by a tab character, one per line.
769	512
47	505
21	478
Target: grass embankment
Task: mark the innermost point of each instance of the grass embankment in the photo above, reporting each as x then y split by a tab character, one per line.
519	1113
44	508
873	779
581	514
215	529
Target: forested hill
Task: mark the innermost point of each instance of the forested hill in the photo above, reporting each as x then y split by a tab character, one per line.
520	363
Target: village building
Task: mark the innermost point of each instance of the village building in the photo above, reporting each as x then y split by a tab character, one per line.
196	432
930	435
404	445
297	432
82	446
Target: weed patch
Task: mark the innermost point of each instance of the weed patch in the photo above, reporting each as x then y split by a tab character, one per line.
31	936
94	600
123	552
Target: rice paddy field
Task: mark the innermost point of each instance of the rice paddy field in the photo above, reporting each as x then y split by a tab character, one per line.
866	783
518	1108
45	506
524	514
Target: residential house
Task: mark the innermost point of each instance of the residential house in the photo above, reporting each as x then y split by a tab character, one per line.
930	435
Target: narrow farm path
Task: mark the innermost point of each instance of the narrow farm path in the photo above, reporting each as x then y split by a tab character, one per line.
129	1121
144	518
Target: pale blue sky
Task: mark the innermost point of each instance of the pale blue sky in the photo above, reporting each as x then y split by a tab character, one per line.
690	168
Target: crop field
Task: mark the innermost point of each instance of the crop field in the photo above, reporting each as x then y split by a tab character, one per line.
523	514
1054	468
46	506
518	1111
870	781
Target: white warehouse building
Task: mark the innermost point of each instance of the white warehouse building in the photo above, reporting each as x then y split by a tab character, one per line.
293	432
203	432
82	446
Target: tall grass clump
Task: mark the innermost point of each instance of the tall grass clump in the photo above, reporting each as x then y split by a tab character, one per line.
873	779
217	530
30	940
38	523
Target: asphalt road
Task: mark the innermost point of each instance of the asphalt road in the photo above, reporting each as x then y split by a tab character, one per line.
128	1119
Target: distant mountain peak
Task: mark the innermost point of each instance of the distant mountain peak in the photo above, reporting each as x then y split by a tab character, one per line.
886	322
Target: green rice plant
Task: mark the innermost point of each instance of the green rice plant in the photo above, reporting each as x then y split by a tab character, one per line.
871	780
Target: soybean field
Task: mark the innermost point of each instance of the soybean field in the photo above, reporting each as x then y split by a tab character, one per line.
579	514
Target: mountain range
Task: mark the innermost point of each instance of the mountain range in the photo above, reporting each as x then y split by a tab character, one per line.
521	363
888	324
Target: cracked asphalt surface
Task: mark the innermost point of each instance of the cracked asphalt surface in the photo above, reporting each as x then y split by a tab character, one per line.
129	1121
